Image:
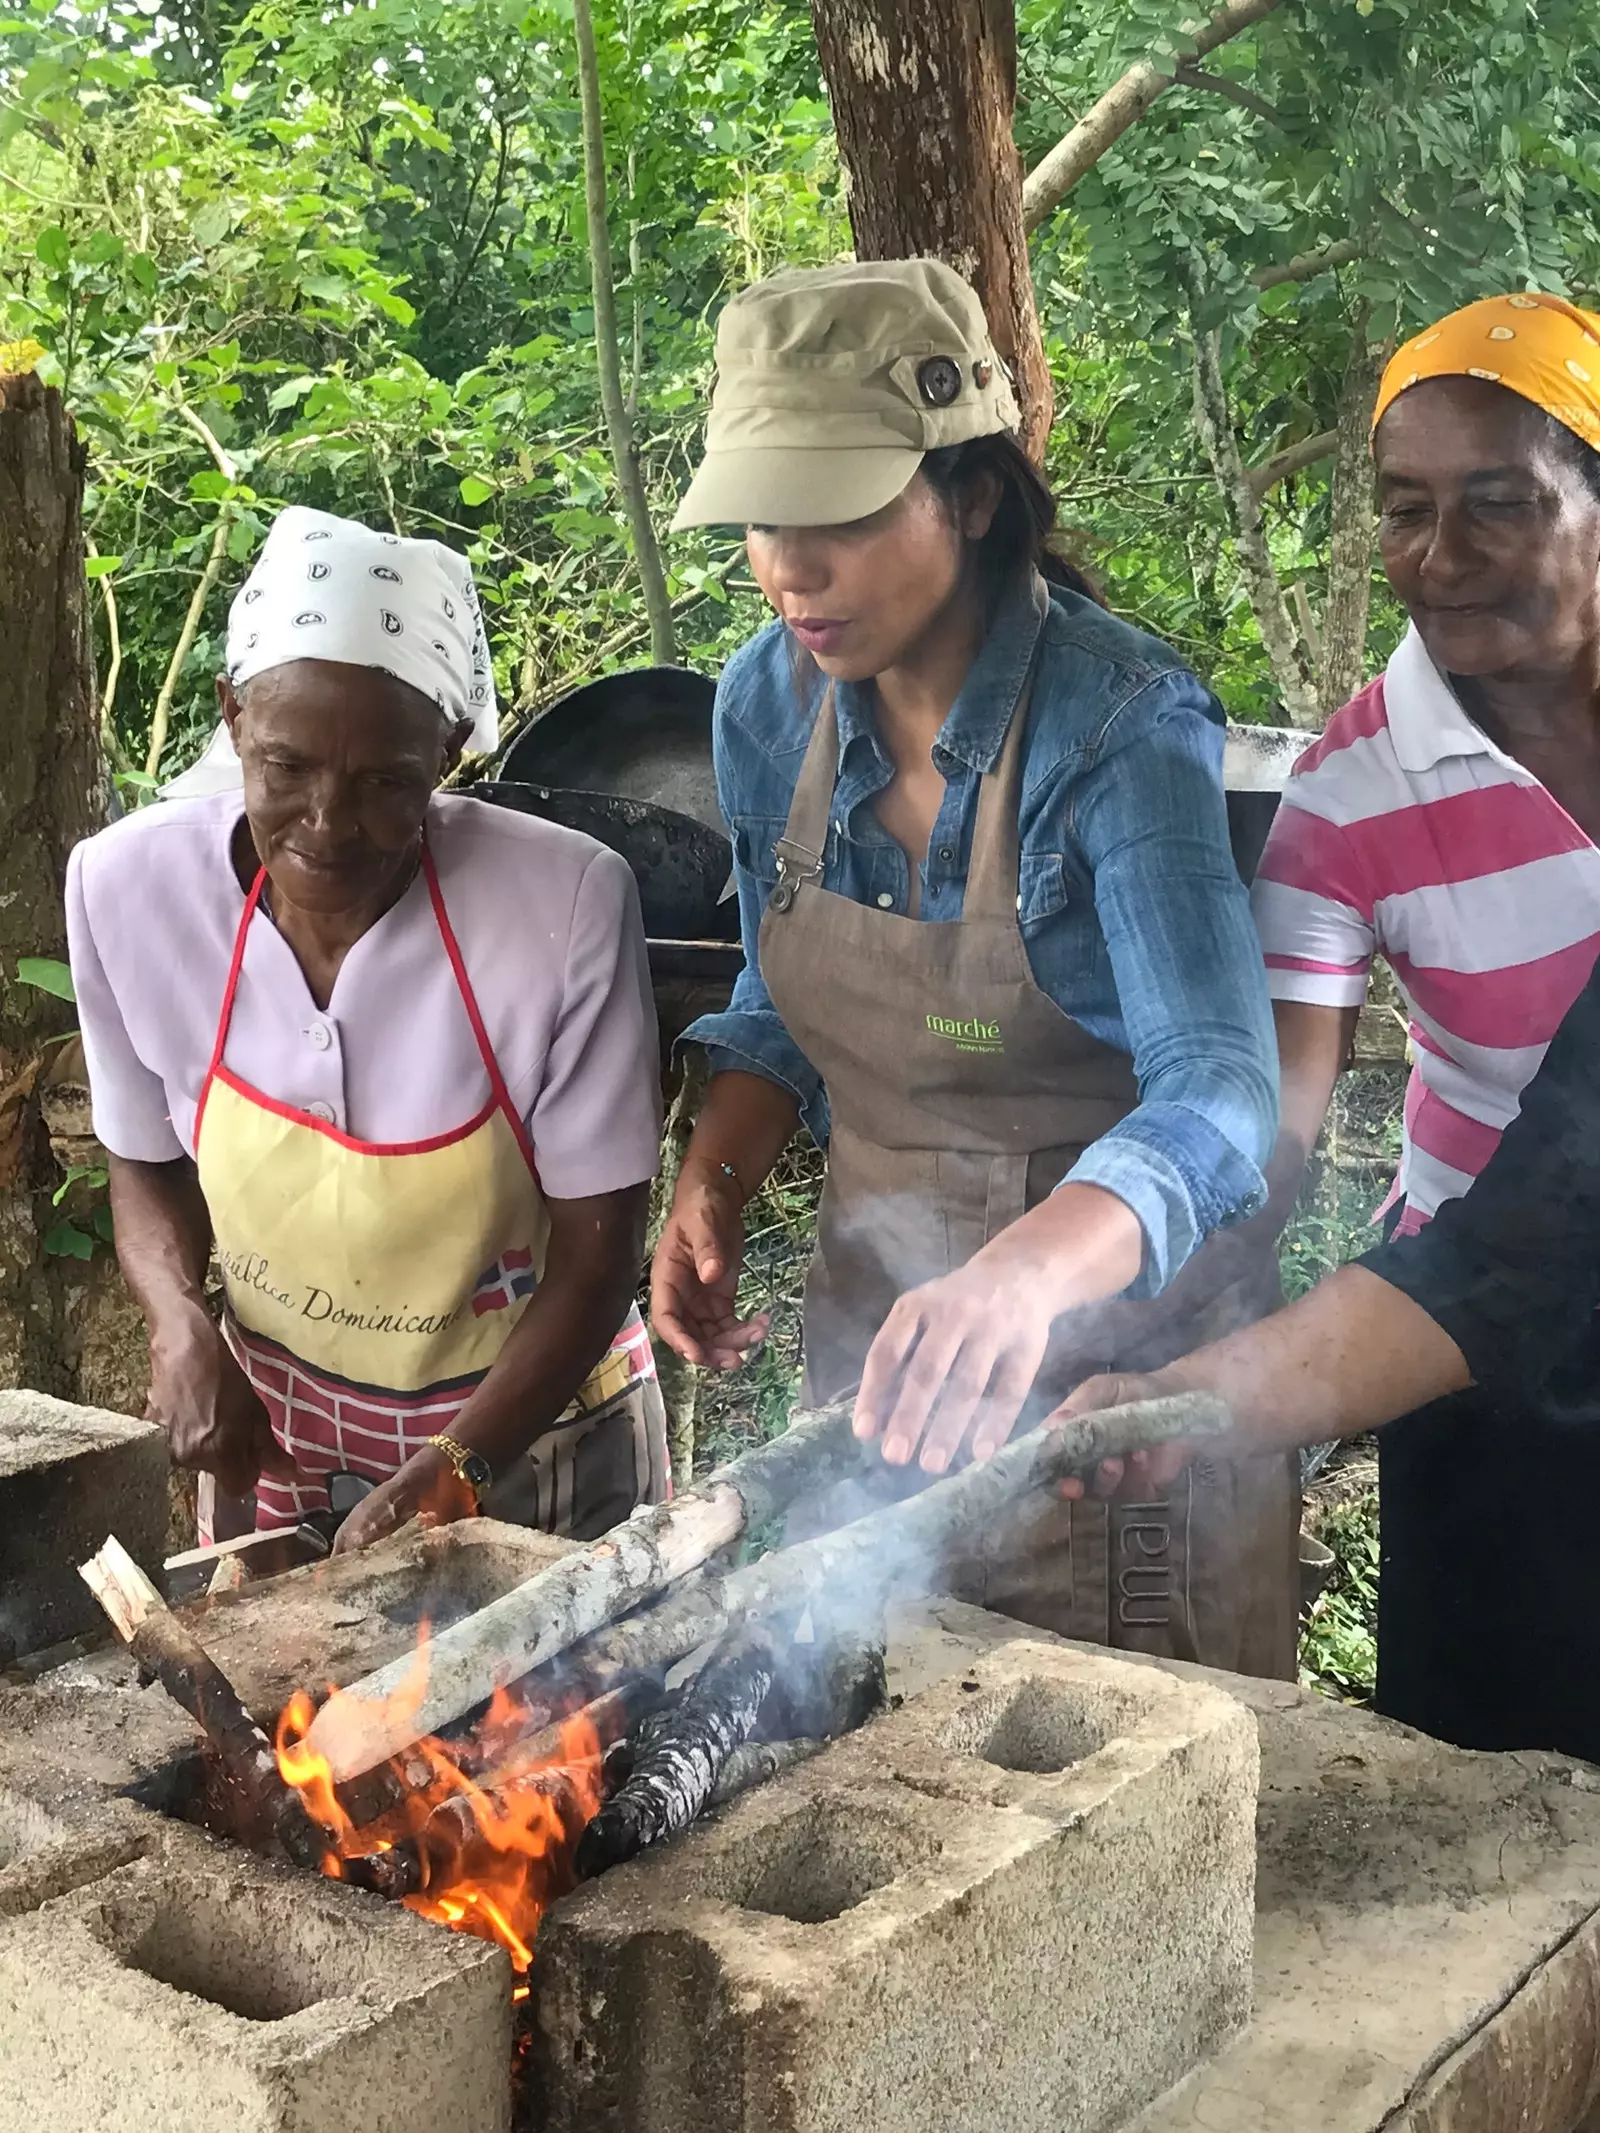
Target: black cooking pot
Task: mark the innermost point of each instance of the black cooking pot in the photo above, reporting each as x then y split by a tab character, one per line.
681	866
643	735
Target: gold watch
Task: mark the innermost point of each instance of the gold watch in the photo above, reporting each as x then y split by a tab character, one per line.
470	1467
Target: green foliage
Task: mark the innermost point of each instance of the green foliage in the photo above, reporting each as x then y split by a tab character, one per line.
46	974
285	252
1339	1642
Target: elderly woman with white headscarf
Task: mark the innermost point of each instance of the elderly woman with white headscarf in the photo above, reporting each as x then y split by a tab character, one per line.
392	1053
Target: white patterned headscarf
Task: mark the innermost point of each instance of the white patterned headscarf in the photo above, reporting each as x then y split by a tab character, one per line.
329	588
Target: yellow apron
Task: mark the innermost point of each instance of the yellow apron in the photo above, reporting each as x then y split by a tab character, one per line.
370	1287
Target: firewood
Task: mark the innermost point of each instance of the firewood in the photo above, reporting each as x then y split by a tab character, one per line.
168	1651
757	1761
367	1723
679	1752
402	1868
906	1546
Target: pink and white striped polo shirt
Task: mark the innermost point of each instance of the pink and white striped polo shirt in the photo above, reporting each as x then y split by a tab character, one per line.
1405	832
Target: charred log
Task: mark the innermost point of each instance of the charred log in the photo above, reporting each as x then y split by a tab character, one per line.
680	1752
168	1651
757	1761
405	1863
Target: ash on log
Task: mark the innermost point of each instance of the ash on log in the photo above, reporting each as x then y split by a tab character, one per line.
167	1651
678	1753
905	1545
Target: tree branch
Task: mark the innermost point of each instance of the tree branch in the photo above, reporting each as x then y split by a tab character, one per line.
1122	106
1294	460
185	645
1214	426
624	450
108	695
1306	264
1189	76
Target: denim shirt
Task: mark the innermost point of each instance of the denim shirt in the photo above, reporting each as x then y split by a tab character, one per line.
1132	913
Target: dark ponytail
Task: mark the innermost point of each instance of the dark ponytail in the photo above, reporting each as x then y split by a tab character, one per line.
1024	527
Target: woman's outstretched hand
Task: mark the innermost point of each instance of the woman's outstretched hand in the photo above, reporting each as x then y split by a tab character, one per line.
694	1277
955	1359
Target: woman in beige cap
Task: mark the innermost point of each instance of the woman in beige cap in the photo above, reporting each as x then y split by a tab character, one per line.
997	955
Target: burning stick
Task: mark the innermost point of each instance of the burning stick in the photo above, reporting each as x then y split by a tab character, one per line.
904	1544
679	1753
365	1725
166	1649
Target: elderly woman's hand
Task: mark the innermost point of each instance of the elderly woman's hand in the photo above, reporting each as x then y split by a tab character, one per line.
213	1417
426	1487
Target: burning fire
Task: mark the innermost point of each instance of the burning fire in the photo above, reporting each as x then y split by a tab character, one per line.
484	1826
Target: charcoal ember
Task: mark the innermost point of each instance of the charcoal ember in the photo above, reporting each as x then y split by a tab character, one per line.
680	1750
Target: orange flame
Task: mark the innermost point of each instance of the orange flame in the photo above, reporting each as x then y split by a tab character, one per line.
491	1851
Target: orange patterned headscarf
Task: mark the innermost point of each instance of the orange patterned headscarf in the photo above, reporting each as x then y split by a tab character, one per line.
1539	346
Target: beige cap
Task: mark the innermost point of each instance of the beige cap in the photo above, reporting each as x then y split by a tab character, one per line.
831	384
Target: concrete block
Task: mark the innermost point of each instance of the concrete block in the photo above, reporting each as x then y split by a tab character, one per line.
44	1851
198	1990
1022	1902
68	1477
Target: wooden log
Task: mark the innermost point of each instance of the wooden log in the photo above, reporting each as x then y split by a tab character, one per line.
757	1761
372	1720
679	1752
535	1762
168	1650
905	1546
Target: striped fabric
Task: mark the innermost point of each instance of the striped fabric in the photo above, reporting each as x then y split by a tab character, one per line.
1405	832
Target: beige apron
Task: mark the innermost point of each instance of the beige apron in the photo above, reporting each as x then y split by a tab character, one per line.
371	1287
960	1096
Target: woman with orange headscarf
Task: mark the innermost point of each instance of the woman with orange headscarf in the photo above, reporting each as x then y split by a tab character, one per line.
1449	820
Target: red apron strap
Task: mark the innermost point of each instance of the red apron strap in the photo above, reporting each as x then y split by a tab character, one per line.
497	1084
229	992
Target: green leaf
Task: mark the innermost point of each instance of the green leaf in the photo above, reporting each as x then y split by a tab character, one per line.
53	249
66	1241
45	974
474	490
212	224
101	566
102	1224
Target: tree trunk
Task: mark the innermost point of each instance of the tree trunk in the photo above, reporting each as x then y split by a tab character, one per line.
1349	600
608	352
51	794
922	104
1214	425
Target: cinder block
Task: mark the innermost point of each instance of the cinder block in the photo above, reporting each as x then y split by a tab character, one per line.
68	1477
198	1990
45	1852
1022	1904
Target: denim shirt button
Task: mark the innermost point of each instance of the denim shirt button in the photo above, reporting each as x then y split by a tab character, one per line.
885	900
947	855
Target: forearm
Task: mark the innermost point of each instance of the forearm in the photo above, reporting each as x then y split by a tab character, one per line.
566	1328
1078	1247
163	1235
1353	1354
745	1124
